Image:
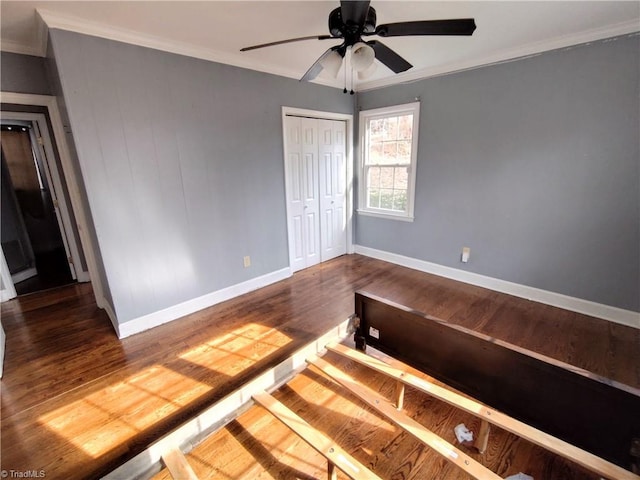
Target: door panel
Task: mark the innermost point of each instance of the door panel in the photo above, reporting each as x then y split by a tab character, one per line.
311	188
316	187
333	188
295	196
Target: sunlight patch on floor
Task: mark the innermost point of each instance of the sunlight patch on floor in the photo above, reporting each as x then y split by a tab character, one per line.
244	346
106	419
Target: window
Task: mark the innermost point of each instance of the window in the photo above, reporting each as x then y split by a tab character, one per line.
389	139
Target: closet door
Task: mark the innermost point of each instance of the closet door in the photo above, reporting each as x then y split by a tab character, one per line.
303	205
333	180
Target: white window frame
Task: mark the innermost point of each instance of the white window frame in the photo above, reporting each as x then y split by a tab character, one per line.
365	117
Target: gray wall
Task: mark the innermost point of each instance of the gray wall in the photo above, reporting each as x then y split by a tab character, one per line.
534	164
182	164
23	74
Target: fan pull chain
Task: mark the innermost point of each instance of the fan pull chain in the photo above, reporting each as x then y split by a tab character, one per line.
345	78
352	92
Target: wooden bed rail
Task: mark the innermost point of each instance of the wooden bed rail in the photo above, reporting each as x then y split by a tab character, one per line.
335	455
591	412
374	400
488	416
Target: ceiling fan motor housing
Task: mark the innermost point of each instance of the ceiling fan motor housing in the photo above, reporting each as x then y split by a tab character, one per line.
351	32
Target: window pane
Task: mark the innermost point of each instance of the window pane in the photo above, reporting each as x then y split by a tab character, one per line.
405	127
374	198
390	128
376	128
376	153
401	178
374	177
400	200
390	151
386	198
404	152
386	177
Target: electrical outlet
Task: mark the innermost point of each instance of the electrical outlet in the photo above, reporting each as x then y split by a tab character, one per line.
247	261
466	252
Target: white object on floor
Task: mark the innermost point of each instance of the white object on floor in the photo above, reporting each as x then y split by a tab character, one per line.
462	433
519	476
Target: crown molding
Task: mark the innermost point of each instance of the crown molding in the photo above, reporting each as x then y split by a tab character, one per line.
37	48
48	19
96	29
532	49
20	48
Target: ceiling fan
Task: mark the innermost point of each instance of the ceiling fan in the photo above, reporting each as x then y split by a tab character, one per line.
355	19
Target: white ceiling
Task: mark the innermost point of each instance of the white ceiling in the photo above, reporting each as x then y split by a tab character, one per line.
217	30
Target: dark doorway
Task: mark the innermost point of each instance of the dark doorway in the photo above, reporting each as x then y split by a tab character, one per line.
31	238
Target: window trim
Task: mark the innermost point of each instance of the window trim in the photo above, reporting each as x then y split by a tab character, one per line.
364	118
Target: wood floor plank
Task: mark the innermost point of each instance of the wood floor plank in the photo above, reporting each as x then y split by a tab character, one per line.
63	359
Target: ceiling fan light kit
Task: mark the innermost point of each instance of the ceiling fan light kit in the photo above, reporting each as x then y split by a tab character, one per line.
331	64
364	74
355	19
362	56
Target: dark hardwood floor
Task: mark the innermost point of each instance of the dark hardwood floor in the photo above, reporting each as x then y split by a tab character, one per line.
77	401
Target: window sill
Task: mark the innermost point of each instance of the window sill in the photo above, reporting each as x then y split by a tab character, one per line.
387	216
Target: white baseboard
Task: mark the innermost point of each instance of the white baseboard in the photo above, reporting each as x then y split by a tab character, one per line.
174	312
606	312
217	415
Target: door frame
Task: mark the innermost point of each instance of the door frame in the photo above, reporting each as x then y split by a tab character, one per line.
349	156
41	142
73	186
7	291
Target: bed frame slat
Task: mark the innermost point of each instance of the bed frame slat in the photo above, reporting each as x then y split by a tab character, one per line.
335	455
445	449
488	415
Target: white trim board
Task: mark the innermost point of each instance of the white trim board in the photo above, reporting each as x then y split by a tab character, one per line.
174	312
69	173
586	307
50	19
506	55
188	435
54	177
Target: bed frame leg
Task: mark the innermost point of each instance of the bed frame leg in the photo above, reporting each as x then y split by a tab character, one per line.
399	395
483	436
358	338
332	471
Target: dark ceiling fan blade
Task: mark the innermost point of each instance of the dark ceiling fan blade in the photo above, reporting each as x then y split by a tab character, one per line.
354	11
460	26
290	40
390	58
316	68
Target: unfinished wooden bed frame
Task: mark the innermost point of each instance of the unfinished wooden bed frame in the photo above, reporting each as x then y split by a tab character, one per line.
591	420
597	419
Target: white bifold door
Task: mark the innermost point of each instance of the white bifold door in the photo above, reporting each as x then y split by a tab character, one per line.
316	179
